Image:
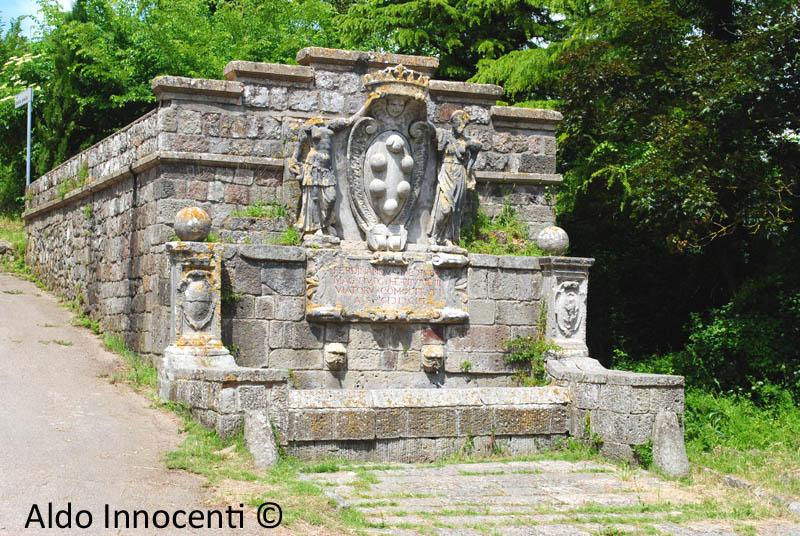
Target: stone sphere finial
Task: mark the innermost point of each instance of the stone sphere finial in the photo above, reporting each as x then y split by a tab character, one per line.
192	224
553	240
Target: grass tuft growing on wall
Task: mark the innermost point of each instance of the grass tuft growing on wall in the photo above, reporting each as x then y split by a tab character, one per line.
503	234
262	210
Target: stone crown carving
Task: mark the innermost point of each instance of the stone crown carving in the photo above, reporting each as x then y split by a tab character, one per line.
397	80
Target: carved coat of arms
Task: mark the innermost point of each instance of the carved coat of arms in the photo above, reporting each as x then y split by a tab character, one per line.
386	151
198	302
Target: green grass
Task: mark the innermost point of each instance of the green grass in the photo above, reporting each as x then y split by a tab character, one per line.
138	371
733	435
503	234
228	466
290	237
262	210
12	230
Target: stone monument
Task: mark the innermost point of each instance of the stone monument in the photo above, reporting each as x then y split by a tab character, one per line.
376	337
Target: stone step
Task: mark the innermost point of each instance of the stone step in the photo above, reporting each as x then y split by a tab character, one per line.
346	415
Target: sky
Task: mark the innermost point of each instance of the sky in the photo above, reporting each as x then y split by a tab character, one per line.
10	9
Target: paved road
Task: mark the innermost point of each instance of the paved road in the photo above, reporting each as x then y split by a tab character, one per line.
66	433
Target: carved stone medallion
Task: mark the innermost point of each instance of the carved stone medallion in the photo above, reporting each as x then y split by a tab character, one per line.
386	151
198	303
569	305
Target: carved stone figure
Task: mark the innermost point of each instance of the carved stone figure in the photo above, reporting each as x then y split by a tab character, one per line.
317	179
458	153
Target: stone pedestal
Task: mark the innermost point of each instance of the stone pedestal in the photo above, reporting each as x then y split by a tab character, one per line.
565	285
195	319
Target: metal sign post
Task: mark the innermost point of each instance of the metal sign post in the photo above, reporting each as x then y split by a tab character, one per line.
23	98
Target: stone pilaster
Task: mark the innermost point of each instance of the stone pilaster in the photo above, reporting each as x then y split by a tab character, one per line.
565	285
196	313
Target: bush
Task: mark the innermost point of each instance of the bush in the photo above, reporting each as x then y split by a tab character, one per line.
733	434
749	342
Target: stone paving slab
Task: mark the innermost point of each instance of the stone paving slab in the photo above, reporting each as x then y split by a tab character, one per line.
537	498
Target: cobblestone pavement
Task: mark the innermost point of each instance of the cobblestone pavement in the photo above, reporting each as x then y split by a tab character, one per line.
546	498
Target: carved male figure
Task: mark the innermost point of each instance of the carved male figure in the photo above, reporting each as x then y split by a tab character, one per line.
458	153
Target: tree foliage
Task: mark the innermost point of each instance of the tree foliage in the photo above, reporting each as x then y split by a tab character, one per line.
460	32
92	66
680	149
680	145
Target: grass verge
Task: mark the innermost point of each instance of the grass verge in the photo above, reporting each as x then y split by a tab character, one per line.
733	435
12	230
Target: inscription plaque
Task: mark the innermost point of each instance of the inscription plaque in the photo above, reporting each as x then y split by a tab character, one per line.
407	287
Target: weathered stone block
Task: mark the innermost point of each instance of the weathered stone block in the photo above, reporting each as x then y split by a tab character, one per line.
365	359
260	439
512	285
586	395
409	360
311	425
297	335
392	422
355	424
337	333
251	338
666	399
521	420
283	280
245	277
285	358
431	422
477	338
517	313
669	452
478	283
265	307
287	308
252	397
475	421
229	425
481	312
227	401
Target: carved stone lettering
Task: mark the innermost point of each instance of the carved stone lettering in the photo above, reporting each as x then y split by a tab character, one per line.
352	287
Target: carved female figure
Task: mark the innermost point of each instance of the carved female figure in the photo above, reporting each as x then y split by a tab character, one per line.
317	180
458	153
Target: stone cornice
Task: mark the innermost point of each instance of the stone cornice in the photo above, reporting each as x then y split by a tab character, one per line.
525	118
465	90
171	87
373	60
147	162
518	178
256	71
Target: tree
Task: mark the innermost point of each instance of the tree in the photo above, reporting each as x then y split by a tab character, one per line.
93	65
460	32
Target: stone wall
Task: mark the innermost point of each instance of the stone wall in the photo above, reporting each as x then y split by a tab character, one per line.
264	322
618	408
98	222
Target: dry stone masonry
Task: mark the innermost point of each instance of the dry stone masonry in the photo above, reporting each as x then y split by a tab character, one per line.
374	336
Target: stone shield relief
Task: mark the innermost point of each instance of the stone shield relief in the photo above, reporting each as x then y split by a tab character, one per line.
569	308
386	166
198	301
